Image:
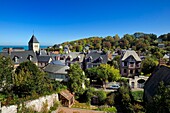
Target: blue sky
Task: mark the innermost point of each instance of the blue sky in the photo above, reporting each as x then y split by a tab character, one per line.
57	21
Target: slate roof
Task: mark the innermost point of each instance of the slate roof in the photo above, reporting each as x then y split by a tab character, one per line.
57	62
44	59
131	53
60	69
96	56
74	56
21	55
33	39
162	73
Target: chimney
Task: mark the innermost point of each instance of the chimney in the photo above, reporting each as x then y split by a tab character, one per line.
9	51
57	58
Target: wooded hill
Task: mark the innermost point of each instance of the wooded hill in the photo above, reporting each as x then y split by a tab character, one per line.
138	41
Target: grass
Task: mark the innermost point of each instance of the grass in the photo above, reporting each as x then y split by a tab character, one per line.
83	106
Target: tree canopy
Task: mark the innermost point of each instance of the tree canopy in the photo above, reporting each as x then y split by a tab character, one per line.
76	79
6	73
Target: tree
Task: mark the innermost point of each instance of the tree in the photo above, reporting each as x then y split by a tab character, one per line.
29	79
6	73
76	79
148	65
115	62
105	73
160	101
101	96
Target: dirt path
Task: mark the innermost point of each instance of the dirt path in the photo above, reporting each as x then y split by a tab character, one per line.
76	110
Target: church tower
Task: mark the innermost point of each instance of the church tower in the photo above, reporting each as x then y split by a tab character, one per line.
33	44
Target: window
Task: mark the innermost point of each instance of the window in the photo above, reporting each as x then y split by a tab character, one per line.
131	64
125	63
90	59
124	70
16	59
100	59
30	57
131	71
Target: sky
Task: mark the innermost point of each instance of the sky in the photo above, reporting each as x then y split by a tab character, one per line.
57	21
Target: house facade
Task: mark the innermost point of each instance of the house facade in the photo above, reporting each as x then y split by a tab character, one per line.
57	72
20	56
130	64
95	58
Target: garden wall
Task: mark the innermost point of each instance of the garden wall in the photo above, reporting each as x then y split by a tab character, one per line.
35	104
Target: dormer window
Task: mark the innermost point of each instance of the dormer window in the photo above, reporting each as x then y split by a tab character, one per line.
100	59
16	59
90	59
30	58
78	58
69	58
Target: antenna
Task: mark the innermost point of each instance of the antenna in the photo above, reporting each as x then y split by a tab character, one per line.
33	31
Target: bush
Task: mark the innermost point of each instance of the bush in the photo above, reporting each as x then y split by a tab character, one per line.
101	96
107	109
137	95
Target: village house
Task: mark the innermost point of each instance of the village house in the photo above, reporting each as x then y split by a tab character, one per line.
95	58
20	56
58	72
71	58
130	64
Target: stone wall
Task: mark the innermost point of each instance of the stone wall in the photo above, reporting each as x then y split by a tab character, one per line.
35	104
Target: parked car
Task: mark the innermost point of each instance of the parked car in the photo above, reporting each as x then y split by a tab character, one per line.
115	86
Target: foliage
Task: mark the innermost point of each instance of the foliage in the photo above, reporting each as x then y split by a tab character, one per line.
110	99
137	95
76	80
6	73
160	101
82	105
56	104
104	72
115	62
107	109
23	109
124	99
87	95
101	96
29	79
148	65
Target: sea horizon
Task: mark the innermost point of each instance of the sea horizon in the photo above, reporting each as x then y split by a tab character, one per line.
20	46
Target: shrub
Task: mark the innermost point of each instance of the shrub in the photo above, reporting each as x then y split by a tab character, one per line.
137	95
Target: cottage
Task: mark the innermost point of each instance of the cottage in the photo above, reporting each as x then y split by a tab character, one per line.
66	98
130	64
95	58
57	72
20	56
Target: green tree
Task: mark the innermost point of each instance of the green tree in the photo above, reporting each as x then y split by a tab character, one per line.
115	62
104	73
76	79
29	79
6	73
101	96
148	65
160	101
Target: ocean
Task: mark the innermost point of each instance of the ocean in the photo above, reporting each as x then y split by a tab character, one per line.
18	46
